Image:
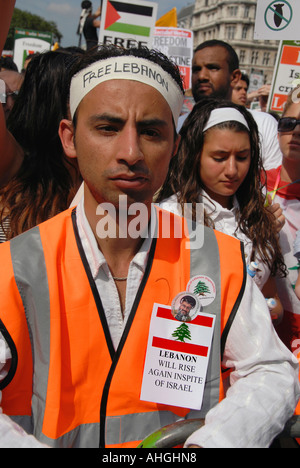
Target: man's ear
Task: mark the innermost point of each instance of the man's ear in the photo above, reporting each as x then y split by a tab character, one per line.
66	134
235	77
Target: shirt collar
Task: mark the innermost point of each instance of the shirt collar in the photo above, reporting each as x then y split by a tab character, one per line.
94	255
214	208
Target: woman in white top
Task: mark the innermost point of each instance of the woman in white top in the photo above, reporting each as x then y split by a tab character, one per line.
219	165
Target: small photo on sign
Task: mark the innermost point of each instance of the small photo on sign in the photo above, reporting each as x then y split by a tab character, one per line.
185	307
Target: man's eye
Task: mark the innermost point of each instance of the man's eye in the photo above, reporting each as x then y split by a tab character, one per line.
106	128
151	132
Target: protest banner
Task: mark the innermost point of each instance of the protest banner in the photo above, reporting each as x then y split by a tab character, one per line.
28	42
277	20
286	74
127	23
177	44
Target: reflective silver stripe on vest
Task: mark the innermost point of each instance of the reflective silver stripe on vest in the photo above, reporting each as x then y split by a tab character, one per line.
130	427
206	261
27	253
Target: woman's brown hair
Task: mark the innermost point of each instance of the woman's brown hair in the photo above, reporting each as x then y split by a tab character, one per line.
183	179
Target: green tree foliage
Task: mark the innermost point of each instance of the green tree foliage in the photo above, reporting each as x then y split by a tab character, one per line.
201	289
182	333
24	19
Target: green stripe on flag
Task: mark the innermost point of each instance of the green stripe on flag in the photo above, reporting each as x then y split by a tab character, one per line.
130	29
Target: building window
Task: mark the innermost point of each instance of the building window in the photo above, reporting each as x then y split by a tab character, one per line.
245	32
246	12
232	11
242	56
266	58
254	57
230	32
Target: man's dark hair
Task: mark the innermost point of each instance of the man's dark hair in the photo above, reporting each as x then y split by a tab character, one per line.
7	63
233	60
189	299
245	78
86	4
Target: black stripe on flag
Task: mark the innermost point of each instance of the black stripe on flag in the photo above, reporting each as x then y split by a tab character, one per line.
133	9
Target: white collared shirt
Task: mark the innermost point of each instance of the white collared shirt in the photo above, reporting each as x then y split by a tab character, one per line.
102	276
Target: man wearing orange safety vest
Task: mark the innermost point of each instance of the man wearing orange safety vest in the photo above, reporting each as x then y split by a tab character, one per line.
78	293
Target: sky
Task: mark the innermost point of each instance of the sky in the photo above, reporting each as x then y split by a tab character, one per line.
66	13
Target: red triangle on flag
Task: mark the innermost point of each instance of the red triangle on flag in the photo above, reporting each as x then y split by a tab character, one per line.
111	15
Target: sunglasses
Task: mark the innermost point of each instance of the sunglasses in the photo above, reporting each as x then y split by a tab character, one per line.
287	124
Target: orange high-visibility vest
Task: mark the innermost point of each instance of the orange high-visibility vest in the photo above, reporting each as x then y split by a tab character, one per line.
67	385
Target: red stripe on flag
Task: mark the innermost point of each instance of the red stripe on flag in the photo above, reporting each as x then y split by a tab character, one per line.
199	320
112	16
187	348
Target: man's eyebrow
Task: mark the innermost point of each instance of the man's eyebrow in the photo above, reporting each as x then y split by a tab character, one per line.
106	117
152	122
207	65
119	120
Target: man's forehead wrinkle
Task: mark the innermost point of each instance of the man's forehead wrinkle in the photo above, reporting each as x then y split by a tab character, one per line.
107	117
117	119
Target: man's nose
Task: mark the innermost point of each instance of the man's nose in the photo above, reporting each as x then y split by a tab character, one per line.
201	74
129	149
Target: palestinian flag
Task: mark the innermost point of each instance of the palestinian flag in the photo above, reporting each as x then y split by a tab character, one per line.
128	18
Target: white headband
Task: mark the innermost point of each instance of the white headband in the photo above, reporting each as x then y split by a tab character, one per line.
126	68
225	114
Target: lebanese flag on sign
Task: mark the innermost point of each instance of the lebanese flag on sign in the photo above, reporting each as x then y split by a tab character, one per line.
177	358
167	335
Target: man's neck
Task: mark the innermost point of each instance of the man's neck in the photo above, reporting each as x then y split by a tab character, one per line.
290	170
112	236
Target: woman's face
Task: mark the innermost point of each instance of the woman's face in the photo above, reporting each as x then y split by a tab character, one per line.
289	142
224	163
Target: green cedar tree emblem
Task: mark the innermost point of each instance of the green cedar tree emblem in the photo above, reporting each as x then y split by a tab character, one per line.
201	289
182	332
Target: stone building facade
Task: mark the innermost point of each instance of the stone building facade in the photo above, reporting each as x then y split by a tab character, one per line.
231	21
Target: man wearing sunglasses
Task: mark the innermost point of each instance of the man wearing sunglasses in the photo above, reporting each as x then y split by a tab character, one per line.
287	124
10	84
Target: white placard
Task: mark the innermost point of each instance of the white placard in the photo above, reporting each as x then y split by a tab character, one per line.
177	358
277	19
177	44
286	75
